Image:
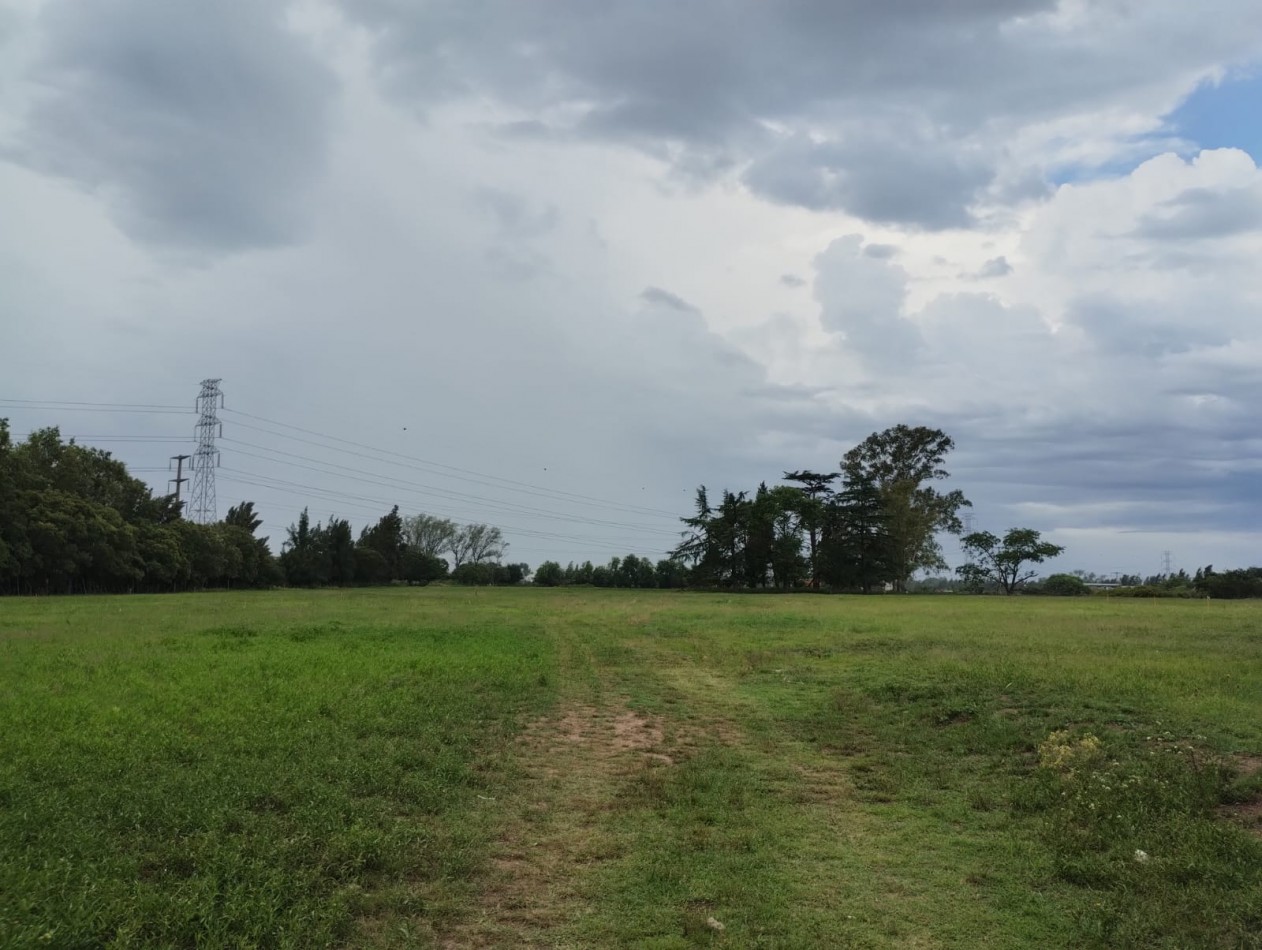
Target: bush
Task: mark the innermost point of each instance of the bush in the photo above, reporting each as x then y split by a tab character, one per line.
476	575
1064	585
549	574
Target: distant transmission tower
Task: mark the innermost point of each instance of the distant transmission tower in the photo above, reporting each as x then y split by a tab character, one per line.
206	458
968	529
1166	566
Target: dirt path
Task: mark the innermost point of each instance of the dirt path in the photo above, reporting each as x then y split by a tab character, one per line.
556	830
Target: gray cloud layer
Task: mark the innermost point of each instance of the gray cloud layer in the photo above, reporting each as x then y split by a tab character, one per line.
538	297
202	123
896	113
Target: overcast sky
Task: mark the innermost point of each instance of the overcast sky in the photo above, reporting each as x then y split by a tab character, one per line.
615	250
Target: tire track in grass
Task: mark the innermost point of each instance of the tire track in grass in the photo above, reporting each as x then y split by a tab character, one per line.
556	829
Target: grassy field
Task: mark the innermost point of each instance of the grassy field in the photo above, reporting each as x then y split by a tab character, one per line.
483	768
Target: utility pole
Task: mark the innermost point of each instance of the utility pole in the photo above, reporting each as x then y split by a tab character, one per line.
206	458
179	474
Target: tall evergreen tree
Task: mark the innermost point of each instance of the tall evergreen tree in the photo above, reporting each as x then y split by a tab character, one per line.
900	461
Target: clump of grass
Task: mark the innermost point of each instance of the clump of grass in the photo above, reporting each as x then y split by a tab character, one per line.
1135	825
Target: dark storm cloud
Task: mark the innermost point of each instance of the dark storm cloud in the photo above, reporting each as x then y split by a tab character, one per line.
203	124
882	178
1201	213
896	112
1109	474
698	85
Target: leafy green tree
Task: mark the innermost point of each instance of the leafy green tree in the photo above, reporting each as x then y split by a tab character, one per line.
511	574
549	574
422	568
370	566
474	574
900	461
671	574
243	516
338	549
1065	585
258	566
428	534
476	543
857	550
1002	560
303	558
164	561
812	510
1231	585
787	565
386	538
744	542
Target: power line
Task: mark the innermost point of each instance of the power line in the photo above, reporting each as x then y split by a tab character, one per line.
495	481
414	463
56	406
111	405
508	483
399	484
285	487
117	438
261	481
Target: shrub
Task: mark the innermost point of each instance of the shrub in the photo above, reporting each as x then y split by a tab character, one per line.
549	574
1064	585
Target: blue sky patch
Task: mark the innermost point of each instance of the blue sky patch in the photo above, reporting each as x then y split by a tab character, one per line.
1228	115
1223	115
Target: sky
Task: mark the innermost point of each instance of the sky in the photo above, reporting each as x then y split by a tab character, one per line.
551	264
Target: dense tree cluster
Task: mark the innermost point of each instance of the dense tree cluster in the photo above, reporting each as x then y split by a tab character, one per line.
868	526
395	550
1228	585
72	520
630	571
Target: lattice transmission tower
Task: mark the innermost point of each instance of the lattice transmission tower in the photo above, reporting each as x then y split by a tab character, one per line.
206	458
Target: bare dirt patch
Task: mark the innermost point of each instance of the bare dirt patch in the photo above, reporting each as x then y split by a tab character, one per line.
1246	814
555	833
1246	766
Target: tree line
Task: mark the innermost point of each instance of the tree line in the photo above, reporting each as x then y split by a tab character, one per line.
72	520
631	571
868	526
396	548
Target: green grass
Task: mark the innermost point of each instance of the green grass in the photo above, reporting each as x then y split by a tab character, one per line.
402	767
